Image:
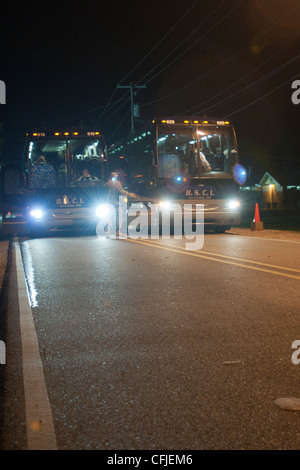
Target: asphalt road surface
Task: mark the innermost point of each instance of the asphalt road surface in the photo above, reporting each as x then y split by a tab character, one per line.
148	345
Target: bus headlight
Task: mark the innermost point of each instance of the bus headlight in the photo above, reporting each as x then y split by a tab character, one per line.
102	211
233	204
37	214
178	179
165	205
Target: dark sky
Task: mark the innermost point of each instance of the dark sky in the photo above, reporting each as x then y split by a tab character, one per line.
62	61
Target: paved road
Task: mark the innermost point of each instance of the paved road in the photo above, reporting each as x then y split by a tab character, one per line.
146	345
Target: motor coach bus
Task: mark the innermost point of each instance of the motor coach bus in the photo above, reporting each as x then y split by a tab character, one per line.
183	161
58	185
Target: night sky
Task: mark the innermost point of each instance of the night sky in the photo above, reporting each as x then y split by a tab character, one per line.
63	60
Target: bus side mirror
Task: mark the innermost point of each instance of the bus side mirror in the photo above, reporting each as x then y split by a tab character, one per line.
240	174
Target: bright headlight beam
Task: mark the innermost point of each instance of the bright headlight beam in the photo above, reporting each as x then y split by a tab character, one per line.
102	211
233	204
36	213
165	205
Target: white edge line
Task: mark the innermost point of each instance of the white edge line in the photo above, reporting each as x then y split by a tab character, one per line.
39	422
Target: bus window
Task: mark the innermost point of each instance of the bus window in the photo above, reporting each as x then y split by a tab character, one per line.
218	148
51	152
178	151
43	176
44	160
86	157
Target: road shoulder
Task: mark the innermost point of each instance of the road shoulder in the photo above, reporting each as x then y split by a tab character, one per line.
284	235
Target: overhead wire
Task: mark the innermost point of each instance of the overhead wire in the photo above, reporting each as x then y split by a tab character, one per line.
159	42
181	43
224	90
218	22
213	69
146	56
266	30
112	106
125	101
106	106
192	45
118	126
175	49
264	96
196	80
245	89
81	114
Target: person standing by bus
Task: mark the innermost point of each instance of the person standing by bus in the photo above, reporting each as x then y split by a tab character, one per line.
116	187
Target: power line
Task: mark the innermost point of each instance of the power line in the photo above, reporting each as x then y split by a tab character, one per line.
177	46
119	125
148	54
246	88
107	104
118	109
182	42
115	103
238	81
201	24
192	45
262	97
264	31
159	42
196	80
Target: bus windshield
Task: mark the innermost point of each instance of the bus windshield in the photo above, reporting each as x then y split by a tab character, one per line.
197	151
57	162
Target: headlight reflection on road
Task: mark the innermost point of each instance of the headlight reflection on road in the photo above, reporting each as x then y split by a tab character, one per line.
29	274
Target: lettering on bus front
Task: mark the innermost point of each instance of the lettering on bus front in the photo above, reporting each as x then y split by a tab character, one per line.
205	193
69	201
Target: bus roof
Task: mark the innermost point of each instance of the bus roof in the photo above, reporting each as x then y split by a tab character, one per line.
59	134
191	120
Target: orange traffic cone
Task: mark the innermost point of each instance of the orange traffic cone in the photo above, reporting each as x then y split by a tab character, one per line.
256	224
256	214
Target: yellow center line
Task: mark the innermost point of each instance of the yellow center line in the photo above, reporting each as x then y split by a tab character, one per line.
234	258
198	255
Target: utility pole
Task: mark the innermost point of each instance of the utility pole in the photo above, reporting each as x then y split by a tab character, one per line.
132	88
